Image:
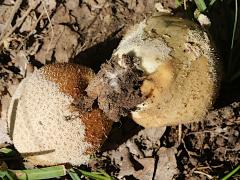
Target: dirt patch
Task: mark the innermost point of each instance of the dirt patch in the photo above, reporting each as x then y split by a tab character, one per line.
207	149
117	88
210	147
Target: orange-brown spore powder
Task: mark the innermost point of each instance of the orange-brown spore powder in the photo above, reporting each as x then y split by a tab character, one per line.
72	80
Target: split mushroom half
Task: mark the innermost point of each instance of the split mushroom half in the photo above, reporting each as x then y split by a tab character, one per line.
46	124
180	73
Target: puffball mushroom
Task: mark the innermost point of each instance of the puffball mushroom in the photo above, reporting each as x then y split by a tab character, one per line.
48	126
179	71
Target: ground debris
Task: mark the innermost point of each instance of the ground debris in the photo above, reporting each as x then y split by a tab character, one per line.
213	144
117	88
167	164
130	157
63	31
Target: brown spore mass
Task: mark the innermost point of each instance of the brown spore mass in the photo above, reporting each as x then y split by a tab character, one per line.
72	80
97	129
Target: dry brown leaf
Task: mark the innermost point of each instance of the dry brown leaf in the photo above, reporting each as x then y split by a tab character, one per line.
167	164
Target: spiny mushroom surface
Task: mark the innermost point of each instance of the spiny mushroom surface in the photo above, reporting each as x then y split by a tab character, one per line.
179	71
47	126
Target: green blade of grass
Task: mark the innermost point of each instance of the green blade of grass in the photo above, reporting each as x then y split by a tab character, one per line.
6	178
73	174
178	3
99	175
7	151
231	173
41	173
235	24
200	5
212	2
6	175
231	63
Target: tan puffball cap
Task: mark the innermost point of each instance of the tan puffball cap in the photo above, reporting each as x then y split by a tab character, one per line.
46	127
180	67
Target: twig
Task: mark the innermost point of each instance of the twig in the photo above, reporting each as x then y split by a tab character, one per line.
18	24
32	32
8	23
185	4
211	132
179	133
202	173
51	26
184	145
208	167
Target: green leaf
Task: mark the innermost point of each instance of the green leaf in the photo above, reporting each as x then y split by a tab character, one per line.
235	24
7	175
212	2
41	173
231	173
7	151
98	175
73	174
178	2
231	63
201	5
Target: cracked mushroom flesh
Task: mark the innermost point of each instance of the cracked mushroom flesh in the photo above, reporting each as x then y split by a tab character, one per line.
180	73
48	119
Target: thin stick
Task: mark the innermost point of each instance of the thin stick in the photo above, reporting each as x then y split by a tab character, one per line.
207	167
179	133
8	23
185	4
18	24
211	132
184	145
202	173
29	34
51	26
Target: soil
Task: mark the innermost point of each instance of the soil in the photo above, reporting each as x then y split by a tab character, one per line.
35	33
117	88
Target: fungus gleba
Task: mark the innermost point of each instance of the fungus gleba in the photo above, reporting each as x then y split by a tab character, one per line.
164	72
